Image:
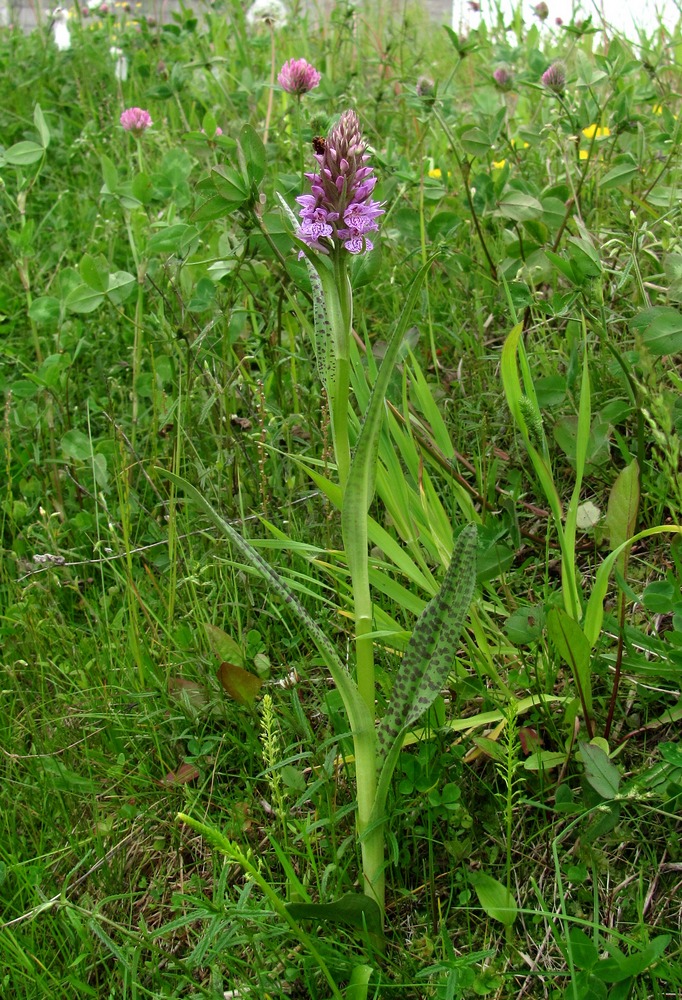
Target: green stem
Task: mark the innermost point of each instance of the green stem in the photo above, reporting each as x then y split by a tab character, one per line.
355	543
341	401
370	832
299	130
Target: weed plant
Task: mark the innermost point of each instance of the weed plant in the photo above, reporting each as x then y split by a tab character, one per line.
157	328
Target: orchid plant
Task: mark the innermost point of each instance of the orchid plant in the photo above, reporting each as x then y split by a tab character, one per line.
335	223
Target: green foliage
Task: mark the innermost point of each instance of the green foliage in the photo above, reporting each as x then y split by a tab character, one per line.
512	393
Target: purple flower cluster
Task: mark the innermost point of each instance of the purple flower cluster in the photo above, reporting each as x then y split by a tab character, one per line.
136	120
340	209
554	78
503	78
298	77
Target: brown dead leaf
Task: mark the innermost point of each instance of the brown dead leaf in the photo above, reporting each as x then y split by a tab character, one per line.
184	774
193	690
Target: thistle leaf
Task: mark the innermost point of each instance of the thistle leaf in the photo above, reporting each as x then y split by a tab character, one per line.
430	653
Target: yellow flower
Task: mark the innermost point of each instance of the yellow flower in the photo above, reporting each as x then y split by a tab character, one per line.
583	154
436	173
657	109
520	144
596	131
498	164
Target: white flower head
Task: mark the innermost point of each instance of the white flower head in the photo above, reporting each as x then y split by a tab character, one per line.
121	67
272	12
60	29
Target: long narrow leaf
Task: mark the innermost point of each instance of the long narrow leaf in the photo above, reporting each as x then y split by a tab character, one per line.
358	715
360	486
594	612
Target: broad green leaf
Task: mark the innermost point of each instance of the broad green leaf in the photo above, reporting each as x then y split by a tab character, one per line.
619	966
23	154
203	296
229	185
172	239
621	515
239	683
121	285
45	309
430	654
223	646
672	265
252	155
496	900
109	174
41	125
475	142
660	328
353	908
553	212
601	774
619	176
544	760
83	299
95	272
562	265
571	643
582	949
141	188
661	596
584	257
215	207
585	986
76	444
209	124
518	206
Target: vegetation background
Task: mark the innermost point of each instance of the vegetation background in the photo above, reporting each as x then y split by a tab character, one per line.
154	316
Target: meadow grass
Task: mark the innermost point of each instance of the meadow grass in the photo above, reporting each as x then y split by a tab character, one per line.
155	318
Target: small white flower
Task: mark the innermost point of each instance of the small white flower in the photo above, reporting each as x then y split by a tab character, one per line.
60	29
121	67
267	12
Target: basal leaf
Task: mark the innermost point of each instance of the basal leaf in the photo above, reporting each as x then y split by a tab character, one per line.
496	900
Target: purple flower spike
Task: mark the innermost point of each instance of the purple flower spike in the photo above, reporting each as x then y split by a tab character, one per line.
554	78
340	211
298	77
136	120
